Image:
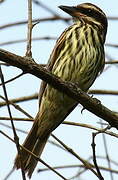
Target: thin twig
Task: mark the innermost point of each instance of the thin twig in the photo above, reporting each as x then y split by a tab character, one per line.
86	164
30	27
17	107
67	123
24	40
17	129
106	151
54	13
16	138
54	18
21	99
112	62
14	78
35	96
66	166
112	45
90	127
114	18
9	174
76	166
103	168
102	91
17	119
94	157
36	157
94	152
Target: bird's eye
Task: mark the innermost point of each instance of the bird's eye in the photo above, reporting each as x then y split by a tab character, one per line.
89	10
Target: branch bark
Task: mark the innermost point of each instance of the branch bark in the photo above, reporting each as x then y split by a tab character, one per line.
91	104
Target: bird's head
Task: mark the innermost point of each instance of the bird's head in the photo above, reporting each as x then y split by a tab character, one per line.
87	12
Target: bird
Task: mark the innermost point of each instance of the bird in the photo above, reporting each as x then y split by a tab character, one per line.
78	57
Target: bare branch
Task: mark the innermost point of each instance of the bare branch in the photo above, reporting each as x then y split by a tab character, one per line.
24	40
112	62
55	18
21	99
103	92
35	96
68	88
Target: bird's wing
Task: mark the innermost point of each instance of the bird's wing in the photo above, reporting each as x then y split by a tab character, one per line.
54	55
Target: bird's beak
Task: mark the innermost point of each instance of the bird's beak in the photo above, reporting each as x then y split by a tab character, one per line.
69	9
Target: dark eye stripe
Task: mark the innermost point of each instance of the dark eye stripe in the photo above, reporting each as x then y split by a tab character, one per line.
90	6
97	14
90	11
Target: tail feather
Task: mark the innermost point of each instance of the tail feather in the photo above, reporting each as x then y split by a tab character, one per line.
32	162
28	144
34	144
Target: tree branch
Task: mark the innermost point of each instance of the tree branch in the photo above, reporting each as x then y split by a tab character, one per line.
68	88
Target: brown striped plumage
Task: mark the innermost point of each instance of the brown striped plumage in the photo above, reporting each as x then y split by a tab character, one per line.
78	57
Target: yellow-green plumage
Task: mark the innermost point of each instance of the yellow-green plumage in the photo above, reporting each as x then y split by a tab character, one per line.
69	68
78	57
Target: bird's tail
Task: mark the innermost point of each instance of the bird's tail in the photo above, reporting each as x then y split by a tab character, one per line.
33	144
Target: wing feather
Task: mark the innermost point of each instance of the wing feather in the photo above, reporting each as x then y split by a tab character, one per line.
54	55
